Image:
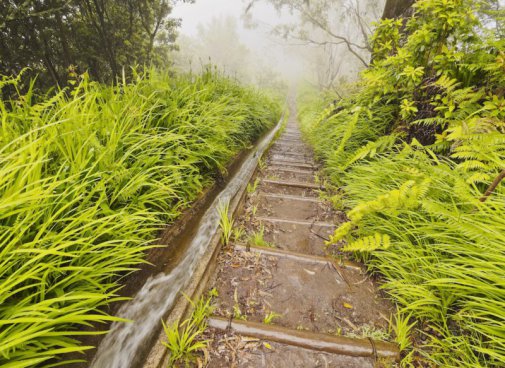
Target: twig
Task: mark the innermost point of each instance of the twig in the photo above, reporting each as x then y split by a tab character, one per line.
493	186
341	274
316	234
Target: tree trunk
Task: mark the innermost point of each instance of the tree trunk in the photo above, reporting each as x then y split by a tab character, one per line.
67	59
397	8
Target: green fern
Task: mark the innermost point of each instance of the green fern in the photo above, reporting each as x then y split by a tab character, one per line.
369	243
372	148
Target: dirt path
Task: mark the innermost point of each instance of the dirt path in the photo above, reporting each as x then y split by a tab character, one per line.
282	301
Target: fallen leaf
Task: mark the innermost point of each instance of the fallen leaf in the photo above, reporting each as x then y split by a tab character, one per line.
309	272
348	306
267	345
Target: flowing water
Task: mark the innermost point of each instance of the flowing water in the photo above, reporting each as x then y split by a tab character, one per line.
126	341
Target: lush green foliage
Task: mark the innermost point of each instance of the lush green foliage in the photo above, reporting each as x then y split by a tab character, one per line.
87	178
226	222
55	38
415	151
184	338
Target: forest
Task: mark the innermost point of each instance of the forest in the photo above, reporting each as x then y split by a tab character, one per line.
109	135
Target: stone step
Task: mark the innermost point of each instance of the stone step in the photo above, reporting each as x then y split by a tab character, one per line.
292	159
275	151
287	174
291	197
297	236
291	164
303	257
291	169
306	293
294	209
293	184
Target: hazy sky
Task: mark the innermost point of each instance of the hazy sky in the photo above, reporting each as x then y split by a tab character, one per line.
288	60
202	11
258	39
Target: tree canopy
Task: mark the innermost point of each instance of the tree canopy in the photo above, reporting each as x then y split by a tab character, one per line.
57	38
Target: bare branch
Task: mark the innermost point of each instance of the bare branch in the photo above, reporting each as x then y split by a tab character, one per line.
493	186
345	40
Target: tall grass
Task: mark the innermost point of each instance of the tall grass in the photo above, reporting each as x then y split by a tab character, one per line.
87	178
417	221
418	154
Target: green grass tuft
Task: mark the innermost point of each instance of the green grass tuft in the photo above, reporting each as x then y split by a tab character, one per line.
88	177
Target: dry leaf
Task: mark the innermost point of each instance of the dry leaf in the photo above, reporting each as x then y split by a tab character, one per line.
249	339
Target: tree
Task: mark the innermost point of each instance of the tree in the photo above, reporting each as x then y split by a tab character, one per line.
218	43
103	37
332	35
397	8
326	22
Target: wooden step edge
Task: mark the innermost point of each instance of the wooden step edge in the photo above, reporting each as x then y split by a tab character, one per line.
293	154
341	345
291	136
291	197
295	222
282	253
289	140
291	145
288	160
290	170
291	164
293	184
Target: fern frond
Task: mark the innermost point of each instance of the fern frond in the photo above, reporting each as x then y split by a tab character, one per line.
479	177
369	243
447	83
372	148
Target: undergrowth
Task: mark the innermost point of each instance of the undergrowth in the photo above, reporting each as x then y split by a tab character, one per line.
88	177
418	152
184	339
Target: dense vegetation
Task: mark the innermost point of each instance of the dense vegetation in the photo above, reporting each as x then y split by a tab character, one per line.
104	37
418	155
87	178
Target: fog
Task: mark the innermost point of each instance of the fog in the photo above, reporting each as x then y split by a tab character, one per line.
266	45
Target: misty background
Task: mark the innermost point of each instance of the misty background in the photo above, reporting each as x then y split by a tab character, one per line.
271	42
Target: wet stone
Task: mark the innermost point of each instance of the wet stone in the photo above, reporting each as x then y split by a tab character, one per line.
291	159
292	209
230	350
306	239
283	189
298	175
290	148
306	295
